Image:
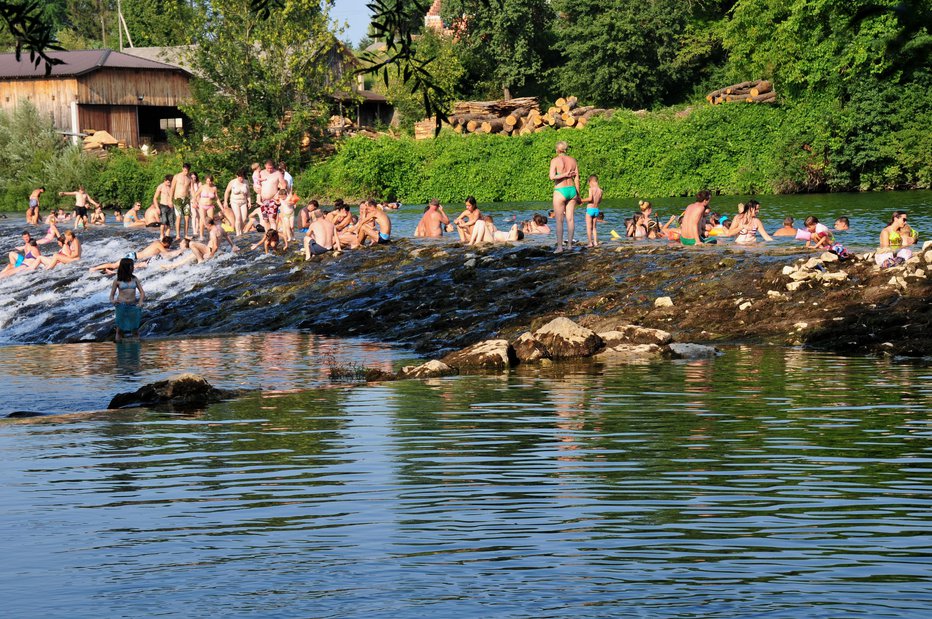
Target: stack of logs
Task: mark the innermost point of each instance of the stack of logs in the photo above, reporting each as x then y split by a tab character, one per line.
760	91
519	116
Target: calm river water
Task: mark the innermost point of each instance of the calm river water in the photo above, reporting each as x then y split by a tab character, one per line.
763	483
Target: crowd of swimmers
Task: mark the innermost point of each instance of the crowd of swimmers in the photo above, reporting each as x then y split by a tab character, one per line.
262	201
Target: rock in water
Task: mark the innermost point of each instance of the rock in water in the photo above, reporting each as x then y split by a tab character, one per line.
563	339
528	349
183	391
24	414
663	302
633	334
490	354
692	351
431	369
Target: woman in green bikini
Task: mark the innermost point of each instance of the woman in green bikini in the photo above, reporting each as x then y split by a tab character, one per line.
564	172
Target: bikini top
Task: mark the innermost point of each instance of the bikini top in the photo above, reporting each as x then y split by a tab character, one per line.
127	285
208	192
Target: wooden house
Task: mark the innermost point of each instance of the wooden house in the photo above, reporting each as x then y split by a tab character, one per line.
136	99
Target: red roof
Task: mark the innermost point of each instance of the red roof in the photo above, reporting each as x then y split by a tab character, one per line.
76	63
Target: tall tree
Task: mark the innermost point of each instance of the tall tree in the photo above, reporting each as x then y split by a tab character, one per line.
263	82
630	52
506	41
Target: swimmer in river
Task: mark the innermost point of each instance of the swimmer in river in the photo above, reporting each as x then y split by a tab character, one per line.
536	225
98	217
788	228
70	251
25	258
155	248
32	213
433	221
692	216
127	313
564	172
592	211
81	200
842	224
53	233
747	224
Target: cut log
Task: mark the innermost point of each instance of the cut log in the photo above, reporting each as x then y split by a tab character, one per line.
767	97
516	115
581	122
472	126
493	126
424	129
458	128
569	104
568	119
579	111
559	102
594	112
730	90
761	88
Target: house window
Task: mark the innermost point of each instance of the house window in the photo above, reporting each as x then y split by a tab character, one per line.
170	124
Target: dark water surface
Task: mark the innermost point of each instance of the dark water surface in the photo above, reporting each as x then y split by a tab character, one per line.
764	483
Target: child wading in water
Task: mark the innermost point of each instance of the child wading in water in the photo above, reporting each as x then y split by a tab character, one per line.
592	210
128	314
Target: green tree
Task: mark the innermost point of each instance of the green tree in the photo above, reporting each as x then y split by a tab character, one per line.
262	83
163	22
505	43
628	52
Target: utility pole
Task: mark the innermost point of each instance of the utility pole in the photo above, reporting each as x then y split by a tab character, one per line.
120	22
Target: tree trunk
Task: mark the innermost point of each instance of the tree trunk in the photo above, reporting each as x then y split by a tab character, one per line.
767	97
506	94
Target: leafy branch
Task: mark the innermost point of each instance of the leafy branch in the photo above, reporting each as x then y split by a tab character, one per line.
31	31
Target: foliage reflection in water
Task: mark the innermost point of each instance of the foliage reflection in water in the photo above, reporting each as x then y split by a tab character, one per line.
767	481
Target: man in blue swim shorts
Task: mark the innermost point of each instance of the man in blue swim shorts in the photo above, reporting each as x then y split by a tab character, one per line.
564	172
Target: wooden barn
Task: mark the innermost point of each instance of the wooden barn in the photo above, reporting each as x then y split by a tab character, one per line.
133	98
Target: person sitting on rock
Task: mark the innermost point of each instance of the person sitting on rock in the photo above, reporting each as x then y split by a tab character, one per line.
892	252
817	235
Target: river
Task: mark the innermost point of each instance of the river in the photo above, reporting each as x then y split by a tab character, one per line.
767	481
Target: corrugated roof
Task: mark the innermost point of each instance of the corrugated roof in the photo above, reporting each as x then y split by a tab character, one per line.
75	64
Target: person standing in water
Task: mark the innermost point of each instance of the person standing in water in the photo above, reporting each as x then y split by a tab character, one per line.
564	172
80	206
32	213
592	211
128	312
180	191
690	230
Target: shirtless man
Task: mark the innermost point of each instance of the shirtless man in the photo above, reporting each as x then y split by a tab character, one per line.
32	213
269	182
163	198
321	236
180	190
80	205
342	216
564	172
689	228
153	216
433	221
155	248
215	234
365	228
467	219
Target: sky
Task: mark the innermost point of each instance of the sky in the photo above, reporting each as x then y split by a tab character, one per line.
356	14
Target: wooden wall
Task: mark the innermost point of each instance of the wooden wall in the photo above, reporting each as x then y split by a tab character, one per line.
125	86
119	120
52	97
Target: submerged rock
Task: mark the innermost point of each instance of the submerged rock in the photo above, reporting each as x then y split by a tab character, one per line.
630	352
431	369
692	351
565	339
182	391
490	354
528	349
24	414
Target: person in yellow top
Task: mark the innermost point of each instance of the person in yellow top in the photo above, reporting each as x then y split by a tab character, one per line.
892	252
